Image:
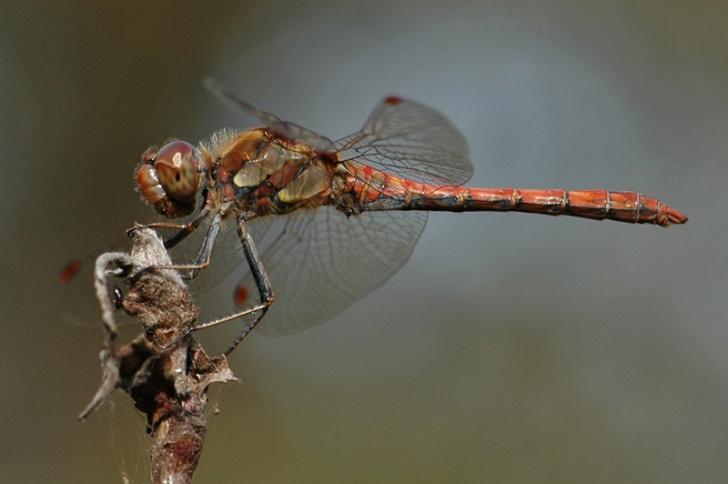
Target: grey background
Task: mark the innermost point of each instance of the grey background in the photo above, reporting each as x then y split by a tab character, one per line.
512	348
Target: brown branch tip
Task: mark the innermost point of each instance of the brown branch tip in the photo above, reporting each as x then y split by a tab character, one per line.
164	369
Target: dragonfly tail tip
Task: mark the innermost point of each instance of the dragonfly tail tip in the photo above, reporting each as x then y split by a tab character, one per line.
675	216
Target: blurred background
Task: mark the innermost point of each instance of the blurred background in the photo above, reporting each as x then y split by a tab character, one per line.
511	348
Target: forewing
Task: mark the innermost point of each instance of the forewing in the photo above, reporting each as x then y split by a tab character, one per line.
401	136
287	131
320	262
232	101
291	132
410	140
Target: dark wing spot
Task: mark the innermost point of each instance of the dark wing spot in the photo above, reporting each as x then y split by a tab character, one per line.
240	295
69	271
393	100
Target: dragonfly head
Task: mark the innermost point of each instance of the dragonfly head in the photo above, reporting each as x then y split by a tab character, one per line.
169	178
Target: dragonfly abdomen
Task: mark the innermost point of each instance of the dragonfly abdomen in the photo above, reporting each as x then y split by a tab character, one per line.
630	207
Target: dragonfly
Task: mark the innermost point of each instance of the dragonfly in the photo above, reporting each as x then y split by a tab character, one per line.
322	223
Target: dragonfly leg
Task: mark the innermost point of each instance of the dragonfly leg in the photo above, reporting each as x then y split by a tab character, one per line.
205	253
187	229
262	282
183	230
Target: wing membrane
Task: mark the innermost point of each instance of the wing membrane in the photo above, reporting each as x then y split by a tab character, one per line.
320	262
410	140
400	136
238	105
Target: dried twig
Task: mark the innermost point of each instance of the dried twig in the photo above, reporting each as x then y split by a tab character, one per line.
164	370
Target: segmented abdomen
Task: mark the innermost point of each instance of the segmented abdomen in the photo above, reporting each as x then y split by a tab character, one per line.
376	190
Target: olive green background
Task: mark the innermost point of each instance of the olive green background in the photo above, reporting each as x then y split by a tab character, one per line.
512	348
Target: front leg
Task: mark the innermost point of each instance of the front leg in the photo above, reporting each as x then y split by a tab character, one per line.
183	230
262	282
205	253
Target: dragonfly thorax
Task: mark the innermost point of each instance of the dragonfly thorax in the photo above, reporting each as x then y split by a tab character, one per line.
263	173
169	179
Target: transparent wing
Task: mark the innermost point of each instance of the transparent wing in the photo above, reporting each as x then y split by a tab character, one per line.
291	132
401	136
320	262
410	140
238	105
286	131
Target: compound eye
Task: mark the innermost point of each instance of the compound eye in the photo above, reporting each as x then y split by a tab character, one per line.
178	170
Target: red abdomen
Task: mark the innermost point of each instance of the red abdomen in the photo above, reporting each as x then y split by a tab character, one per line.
375	190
